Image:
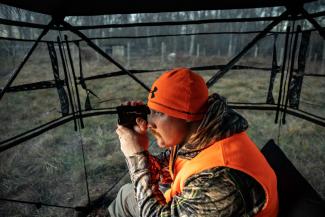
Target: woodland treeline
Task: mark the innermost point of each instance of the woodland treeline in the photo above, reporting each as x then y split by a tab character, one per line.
230	37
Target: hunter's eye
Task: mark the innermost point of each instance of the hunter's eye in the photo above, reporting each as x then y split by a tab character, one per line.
155	113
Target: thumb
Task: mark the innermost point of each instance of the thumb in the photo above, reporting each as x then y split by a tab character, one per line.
141	125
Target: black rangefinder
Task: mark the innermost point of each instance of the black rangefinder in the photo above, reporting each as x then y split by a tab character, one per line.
127	114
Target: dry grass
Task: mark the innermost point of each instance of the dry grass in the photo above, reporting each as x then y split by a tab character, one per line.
49	168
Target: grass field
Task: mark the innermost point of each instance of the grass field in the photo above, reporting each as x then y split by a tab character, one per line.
49	168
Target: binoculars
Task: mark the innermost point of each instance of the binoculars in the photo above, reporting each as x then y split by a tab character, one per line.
127	114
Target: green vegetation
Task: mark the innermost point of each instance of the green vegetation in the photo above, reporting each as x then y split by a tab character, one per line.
49	167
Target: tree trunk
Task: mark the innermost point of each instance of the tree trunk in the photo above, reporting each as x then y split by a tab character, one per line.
163	53
198	50
230	46
256	51
128	54
149	43
192	44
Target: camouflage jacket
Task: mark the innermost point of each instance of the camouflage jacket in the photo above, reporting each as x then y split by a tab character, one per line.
220	191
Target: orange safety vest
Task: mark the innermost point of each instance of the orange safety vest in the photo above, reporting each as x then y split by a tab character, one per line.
237	152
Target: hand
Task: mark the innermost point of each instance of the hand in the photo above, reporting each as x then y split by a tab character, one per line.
133	103
136	140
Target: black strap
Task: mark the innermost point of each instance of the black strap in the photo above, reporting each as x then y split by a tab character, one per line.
274	71
58	82
83	84
297	79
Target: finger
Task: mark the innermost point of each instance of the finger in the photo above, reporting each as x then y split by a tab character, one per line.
120	128
126	103
118	131
141	125
137	129
134	103
124	130
139	102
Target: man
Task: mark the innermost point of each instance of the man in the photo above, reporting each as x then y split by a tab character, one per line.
212	166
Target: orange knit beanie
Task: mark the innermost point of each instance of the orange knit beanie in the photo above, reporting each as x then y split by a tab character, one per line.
179	93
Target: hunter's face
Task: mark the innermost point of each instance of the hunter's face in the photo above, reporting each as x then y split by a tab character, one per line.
167	130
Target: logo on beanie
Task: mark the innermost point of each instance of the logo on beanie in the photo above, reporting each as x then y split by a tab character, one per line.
153	92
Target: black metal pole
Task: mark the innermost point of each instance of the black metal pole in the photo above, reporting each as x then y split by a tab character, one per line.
101	52
282	74
82	81
67	82
19	139
23	137
75	81
313	22
233	61
294	48
16	72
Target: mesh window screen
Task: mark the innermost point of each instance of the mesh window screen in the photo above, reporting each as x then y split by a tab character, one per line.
48	158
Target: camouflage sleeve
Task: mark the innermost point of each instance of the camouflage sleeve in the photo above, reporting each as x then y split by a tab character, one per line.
144	173
209	193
